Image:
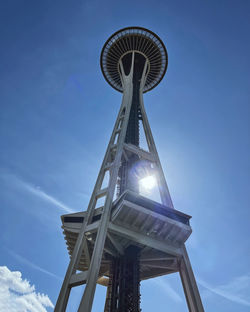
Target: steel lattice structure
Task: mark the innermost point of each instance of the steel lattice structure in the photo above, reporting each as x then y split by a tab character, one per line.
124	237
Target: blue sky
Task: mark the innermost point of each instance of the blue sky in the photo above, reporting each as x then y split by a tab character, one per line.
57	114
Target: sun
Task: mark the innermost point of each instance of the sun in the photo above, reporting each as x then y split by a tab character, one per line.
148	183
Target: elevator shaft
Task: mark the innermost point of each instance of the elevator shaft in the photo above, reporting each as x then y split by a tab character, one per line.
124	288
128	181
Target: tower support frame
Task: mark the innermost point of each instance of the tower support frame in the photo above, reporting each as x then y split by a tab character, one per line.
105	228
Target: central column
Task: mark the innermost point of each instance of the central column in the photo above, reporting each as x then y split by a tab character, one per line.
127	174
124	288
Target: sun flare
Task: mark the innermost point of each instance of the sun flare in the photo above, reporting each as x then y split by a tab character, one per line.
148	183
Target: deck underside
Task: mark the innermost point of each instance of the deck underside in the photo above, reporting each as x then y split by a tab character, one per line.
143	218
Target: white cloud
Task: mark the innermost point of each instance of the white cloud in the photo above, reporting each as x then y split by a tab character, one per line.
32	265
45	196
17	295
236	291
37	192
164	285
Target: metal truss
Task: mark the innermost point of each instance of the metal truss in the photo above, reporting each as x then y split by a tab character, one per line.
106	231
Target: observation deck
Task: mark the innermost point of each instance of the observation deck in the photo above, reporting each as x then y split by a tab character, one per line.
142	41
135	220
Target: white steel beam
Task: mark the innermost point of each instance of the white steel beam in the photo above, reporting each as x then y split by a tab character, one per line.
116	244
162	184
189	284
78	278
140	152
144	239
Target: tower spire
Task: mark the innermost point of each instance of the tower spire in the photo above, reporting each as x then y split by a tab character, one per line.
124	238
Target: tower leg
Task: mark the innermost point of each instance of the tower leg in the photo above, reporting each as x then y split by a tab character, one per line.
89	291
65	290
189	284
95	263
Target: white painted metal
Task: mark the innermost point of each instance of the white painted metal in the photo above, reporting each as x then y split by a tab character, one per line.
78	278
162	184
189	284
116	244
145	240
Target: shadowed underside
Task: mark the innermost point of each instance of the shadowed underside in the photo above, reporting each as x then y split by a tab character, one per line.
134	39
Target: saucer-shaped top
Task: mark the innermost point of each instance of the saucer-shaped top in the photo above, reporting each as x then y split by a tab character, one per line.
136	39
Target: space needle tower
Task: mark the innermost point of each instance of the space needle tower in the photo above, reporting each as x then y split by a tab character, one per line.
124	237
